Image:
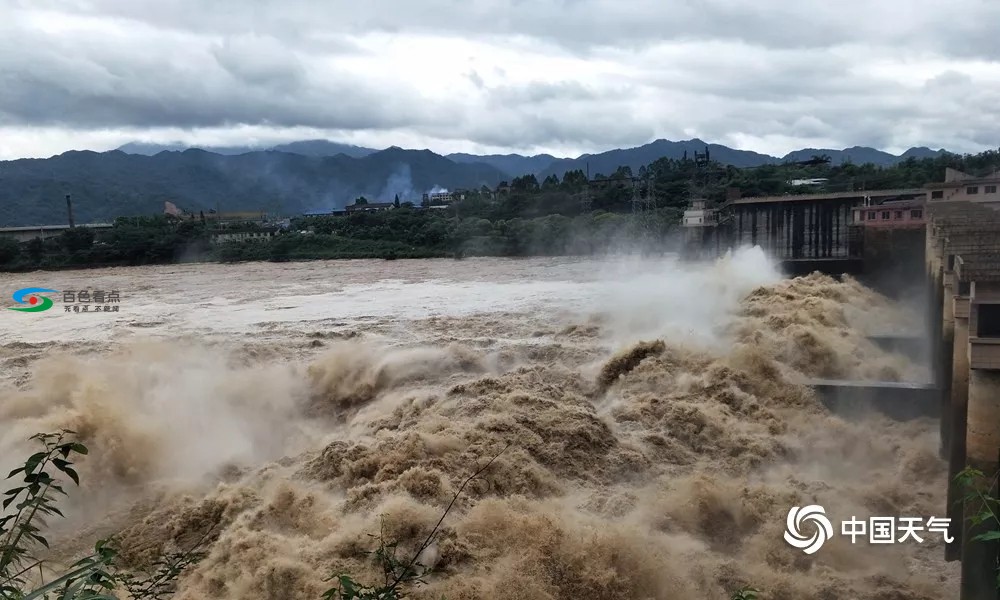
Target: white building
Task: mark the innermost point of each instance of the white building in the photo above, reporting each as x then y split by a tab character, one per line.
814	181
444	197
698	215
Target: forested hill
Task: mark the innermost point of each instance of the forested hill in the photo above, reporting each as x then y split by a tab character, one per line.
110	184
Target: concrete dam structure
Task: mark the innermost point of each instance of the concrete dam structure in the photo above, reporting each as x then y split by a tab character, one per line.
907	244
812	232
963	274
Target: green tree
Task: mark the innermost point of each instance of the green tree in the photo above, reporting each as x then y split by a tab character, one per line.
525	183
35	248
396	201
9	250
76	239
623	172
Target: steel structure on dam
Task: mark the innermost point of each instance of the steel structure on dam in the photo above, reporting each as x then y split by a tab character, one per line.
805	226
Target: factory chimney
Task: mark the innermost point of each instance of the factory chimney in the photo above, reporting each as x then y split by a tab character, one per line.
69	210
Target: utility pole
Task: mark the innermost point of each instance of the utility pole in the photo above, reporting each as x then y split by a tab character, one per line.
69	210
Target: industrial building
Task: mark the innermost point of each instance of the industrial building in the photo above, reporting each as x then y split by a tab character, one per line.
894	214
26	234
369	207
959	186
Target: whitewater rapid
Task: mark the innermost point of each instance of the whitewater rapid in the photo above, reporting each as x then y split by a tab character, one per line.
655	434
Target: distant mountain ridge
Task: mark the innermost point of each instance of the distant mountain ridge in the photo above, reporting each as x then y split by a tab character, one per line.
308	176
304	147
112	184
542	165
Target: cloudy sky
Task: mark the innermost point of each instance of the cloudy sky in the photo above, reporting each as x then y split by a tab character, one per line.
558	76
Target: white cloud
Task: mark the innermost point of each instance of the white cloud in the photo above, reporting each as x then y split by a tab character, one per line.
558	76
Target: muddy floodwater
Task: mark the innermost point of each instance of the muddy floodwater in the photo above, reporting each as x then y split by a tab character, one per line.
653	427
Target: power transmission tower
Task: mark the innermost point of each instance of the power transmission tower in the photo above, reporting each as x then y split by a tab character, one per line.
644	211
643	200
587	200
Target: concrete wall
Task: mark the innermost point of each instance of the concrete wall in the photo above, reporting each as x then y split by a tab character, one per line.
982	448
895	260
795	230
956	421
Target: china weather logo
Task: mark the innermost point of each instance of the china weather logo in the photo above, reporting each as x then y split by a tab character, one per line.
797	538
33	300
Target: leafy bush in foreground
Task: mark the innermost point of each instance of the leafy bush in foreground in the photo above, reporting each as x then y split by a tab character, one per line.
94	577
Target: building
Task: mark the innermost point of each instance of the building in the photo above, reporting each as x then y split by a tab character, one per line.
962	186
444	197
698	215
369	207
891	214
807	182
224	219
26	234
230	235
702	237
336	212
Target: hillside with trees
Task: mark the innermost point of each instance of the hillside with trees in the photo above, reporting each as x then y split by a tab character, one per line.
551	216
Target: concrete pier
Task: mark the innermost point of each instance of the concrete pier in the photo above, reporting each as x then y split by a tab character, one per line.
963	268
958	413
979	559
901	401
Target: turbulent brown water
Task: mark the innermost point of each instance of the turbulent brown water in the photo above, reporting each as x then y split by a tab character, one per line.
657	433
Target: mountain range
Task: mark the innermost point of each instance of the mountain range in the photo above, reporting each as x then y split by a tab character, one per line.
541	165
310	175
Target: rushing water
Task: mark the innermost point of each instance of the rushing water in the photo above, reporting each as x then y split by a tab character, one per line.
288	406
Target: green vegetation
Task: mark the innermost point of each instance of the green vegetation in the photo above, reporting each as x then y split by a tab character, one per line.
981	498
557	216
94	577
110	184
746	593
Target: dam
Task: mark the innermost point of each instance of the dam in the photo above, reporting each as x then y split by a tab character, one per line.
906	243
